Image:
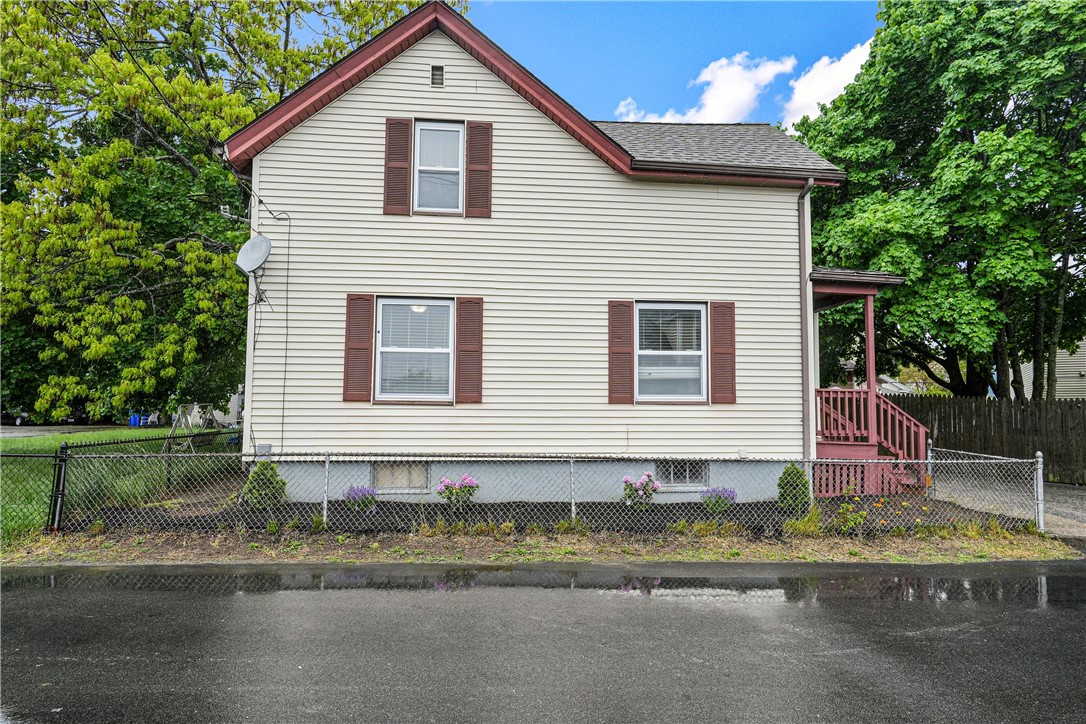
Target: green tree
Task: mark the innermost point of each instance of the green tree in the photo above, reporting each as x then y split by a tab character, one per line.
118	283
964	136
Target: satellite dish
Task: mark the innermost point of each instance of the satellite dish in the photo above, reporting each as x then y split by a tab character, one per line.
254	253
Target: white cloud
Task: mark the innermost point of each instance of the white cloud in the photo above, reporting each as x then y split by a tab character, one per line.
732	86
822	82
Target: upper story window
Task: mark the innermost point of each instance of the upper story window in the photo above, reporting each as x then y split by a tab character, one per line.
670	352
414	349
439	167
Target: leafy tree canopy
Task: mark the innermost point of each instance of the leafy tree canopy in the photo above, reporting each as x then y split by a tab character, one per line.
119	288
964	137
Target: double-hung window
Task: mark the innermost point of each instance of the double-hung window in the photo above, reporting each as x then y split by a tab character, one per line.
415	349
439	167
670	348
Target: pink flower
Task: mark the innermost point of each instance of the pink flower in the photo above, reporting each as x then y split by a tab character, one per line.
441	487
627	480
640	492
639	484
655	485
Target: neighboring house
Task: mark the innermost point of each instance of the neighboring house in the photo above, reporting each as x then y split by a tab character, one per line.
464	264
1070	374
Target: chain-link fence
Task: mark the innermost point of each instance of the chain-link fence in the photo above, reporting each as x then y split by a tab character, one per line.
189	490
25	483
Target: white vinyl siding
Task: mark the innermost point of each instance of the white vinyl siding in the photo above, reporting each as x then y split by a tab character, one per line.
567	235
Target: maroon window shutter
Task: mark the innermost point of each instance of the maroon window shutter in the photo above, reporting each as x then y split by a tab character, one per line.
620	333
722	351
480	162
397	165
469	349
358	354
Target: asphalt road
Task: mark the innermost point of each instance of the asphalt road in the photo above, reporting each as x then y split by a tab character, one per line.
592	644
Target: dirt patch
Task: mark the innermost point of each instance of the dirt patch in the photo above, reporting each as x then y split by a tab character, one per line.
292	546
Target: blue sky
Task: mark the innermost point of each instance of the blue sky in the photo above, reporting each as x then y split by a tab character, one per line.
649	56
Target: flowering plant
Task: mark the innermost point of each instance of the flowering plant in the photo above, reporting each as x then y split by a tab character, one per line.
457	494
639	493
360	498
718	500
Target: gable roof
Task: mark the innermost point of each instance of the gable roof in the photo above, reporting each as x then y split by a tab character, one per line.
757	148
373	55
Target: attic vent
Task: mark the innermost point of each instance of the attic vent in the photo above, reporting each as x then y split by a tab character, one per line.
437	76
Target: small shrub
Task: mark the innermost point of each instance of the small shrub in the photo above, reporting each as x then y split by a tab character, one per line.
265	488
272	526
793	492
571	527
718	500
681	527
809	526
342	538
97	527
317	523
458	495
507	528
293	524
360	498
535	529
639	494
484	529
849	520
734	553
705	528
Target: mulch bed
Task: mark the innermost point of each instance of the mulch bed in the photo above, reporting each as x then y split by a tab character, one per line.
885	514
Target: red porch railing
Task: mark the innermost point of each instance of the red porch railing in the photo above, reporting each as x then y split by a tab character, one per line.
846	432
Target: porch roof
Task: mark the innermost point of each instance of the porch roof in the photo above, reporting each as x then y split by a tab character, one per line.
834	287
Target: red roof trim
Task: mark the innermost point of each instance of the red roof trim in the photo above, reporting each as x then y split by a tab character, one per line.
281	118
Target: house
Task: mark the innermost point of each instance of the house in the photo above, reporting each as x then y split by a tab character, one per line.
1070	374
464	264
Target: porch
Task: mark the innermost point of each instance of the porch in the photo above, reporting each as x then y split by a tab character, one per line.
860	423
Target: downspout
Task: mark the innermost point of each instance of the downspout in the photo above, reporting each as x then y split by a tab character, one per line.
805	304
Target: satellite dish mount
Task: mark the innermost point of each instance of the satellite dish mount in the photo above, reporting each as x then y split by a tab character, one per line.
251	258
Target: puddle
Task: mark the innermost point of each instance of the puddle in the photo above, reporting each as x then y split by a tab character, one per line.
808	590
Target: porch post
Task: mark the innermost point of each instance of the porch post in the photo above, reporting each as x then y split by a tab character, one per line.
869	355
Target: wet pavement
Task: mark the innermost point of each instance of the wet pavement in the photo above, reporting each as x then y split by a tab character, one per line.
679	642
1065	509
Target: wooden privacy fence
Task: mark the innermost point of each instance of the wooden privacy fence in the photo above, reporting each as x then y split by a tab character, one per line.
1012	428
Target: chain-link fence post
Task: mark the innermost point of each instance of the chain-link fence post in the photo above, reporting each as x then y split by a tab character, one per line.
572	493
324	509
929	482
56	498
1039	489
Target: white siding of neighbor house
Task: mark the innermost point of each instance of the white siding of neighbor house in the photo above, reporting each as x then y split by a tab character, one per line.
567	235
1070	374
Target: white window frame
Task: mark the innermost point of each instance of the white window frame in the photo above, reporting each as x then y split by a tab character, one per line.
638	397
665	475
450	349
421	126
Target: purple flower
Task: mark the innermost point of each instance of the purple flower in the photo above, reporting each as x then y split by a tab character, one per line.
655	485
627	480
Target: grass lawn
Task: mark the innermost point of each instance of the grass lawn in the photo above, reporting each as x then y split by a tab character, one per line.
50	443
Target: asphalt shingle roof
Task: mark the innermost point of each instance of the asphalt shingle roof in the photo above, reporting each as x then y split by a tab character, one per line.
756	148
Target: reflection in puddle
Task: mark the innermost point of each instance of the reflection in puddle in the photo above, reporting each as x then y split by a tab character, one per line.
1030	591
